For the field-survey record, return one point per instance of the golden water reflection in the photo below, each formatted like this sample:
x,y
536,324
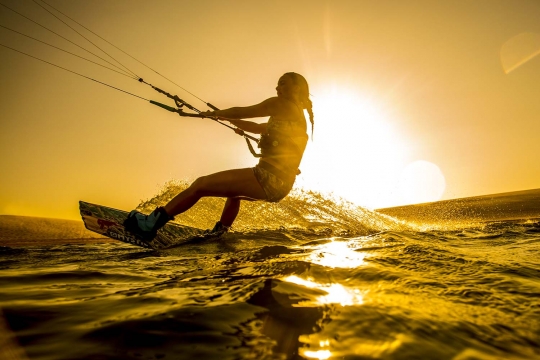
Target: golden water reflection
x,y
335,293
319,354
334,254
337,254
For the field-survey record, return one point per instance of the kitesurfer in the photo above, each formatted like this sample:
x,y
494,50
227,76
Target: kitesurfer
x,y
282,144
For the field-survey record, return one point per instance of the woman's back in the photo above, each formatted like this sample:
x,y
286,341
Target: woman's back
x,y
285,140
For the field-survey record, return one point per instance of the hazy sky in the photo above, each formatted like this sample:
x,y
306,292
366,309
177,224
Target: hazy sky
x,y
414,100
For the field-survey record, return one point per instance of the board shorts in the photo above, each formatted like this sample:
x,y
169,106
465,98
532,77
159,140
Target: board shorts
x,y
275,183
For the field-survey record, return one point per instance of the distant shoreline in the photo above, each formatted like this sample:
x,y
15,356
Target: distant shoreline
x,y
25,231
48,242
517,205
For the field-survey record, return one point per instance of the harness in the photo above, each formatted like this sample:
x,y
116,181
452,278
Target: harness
x,y
282,147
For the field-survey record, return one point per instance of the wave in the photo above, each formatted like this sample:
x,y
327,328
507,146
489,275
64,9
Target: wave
x,y
303,210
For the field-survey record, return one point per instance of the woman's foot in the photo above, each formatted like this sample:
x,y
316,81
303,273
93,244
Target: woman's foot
x,y
218,230
146,226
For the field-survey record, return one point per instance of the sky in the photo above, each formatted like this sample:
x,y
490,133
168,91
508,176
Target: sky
x,y
414,101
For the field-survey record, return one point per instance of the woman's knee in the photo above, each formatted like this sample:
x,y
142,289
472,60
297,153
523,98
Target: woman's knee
x,y
199,185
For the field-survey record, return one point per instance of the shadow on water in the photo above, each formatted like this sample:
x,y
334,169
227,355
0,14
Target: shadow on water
x,y
283,322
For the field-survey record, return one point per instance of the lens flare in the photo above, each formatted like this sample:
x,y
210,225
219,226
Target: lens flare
x,y
519,50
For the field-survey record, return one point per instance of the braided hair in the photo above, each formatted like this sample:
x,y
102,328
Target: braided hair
x,y
304,96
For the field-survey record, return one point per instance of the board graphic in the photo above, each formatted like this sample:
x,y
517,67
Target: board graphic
x,y
108,221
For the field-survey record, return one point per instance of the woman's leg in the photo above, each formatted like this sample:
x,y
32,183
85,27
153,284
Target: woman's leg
x,y
229,184
230,211
236,184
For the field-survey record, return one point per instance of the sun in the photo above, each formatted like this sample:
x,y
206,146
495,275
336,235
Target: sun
x,y
357,151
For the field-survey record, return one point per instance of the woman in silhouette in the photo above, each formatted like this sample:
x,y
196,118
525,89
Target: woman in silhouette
x,y
283,141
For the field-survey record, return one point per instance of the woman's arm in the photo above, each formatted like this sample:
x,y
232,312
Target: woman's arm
x,y
233,115
265,108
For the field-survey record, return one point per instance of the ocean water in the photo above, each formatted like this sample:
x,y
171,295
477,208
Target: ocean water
x,y
310,278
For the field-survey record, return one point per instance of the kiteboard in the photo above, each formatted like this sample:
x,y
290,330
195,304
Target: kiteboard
x,y
108,221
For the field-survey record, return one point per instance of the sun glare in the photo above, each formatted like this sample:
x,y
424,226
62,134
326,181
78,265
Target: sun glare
x,y
337,254
319,354
356,152
421,181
